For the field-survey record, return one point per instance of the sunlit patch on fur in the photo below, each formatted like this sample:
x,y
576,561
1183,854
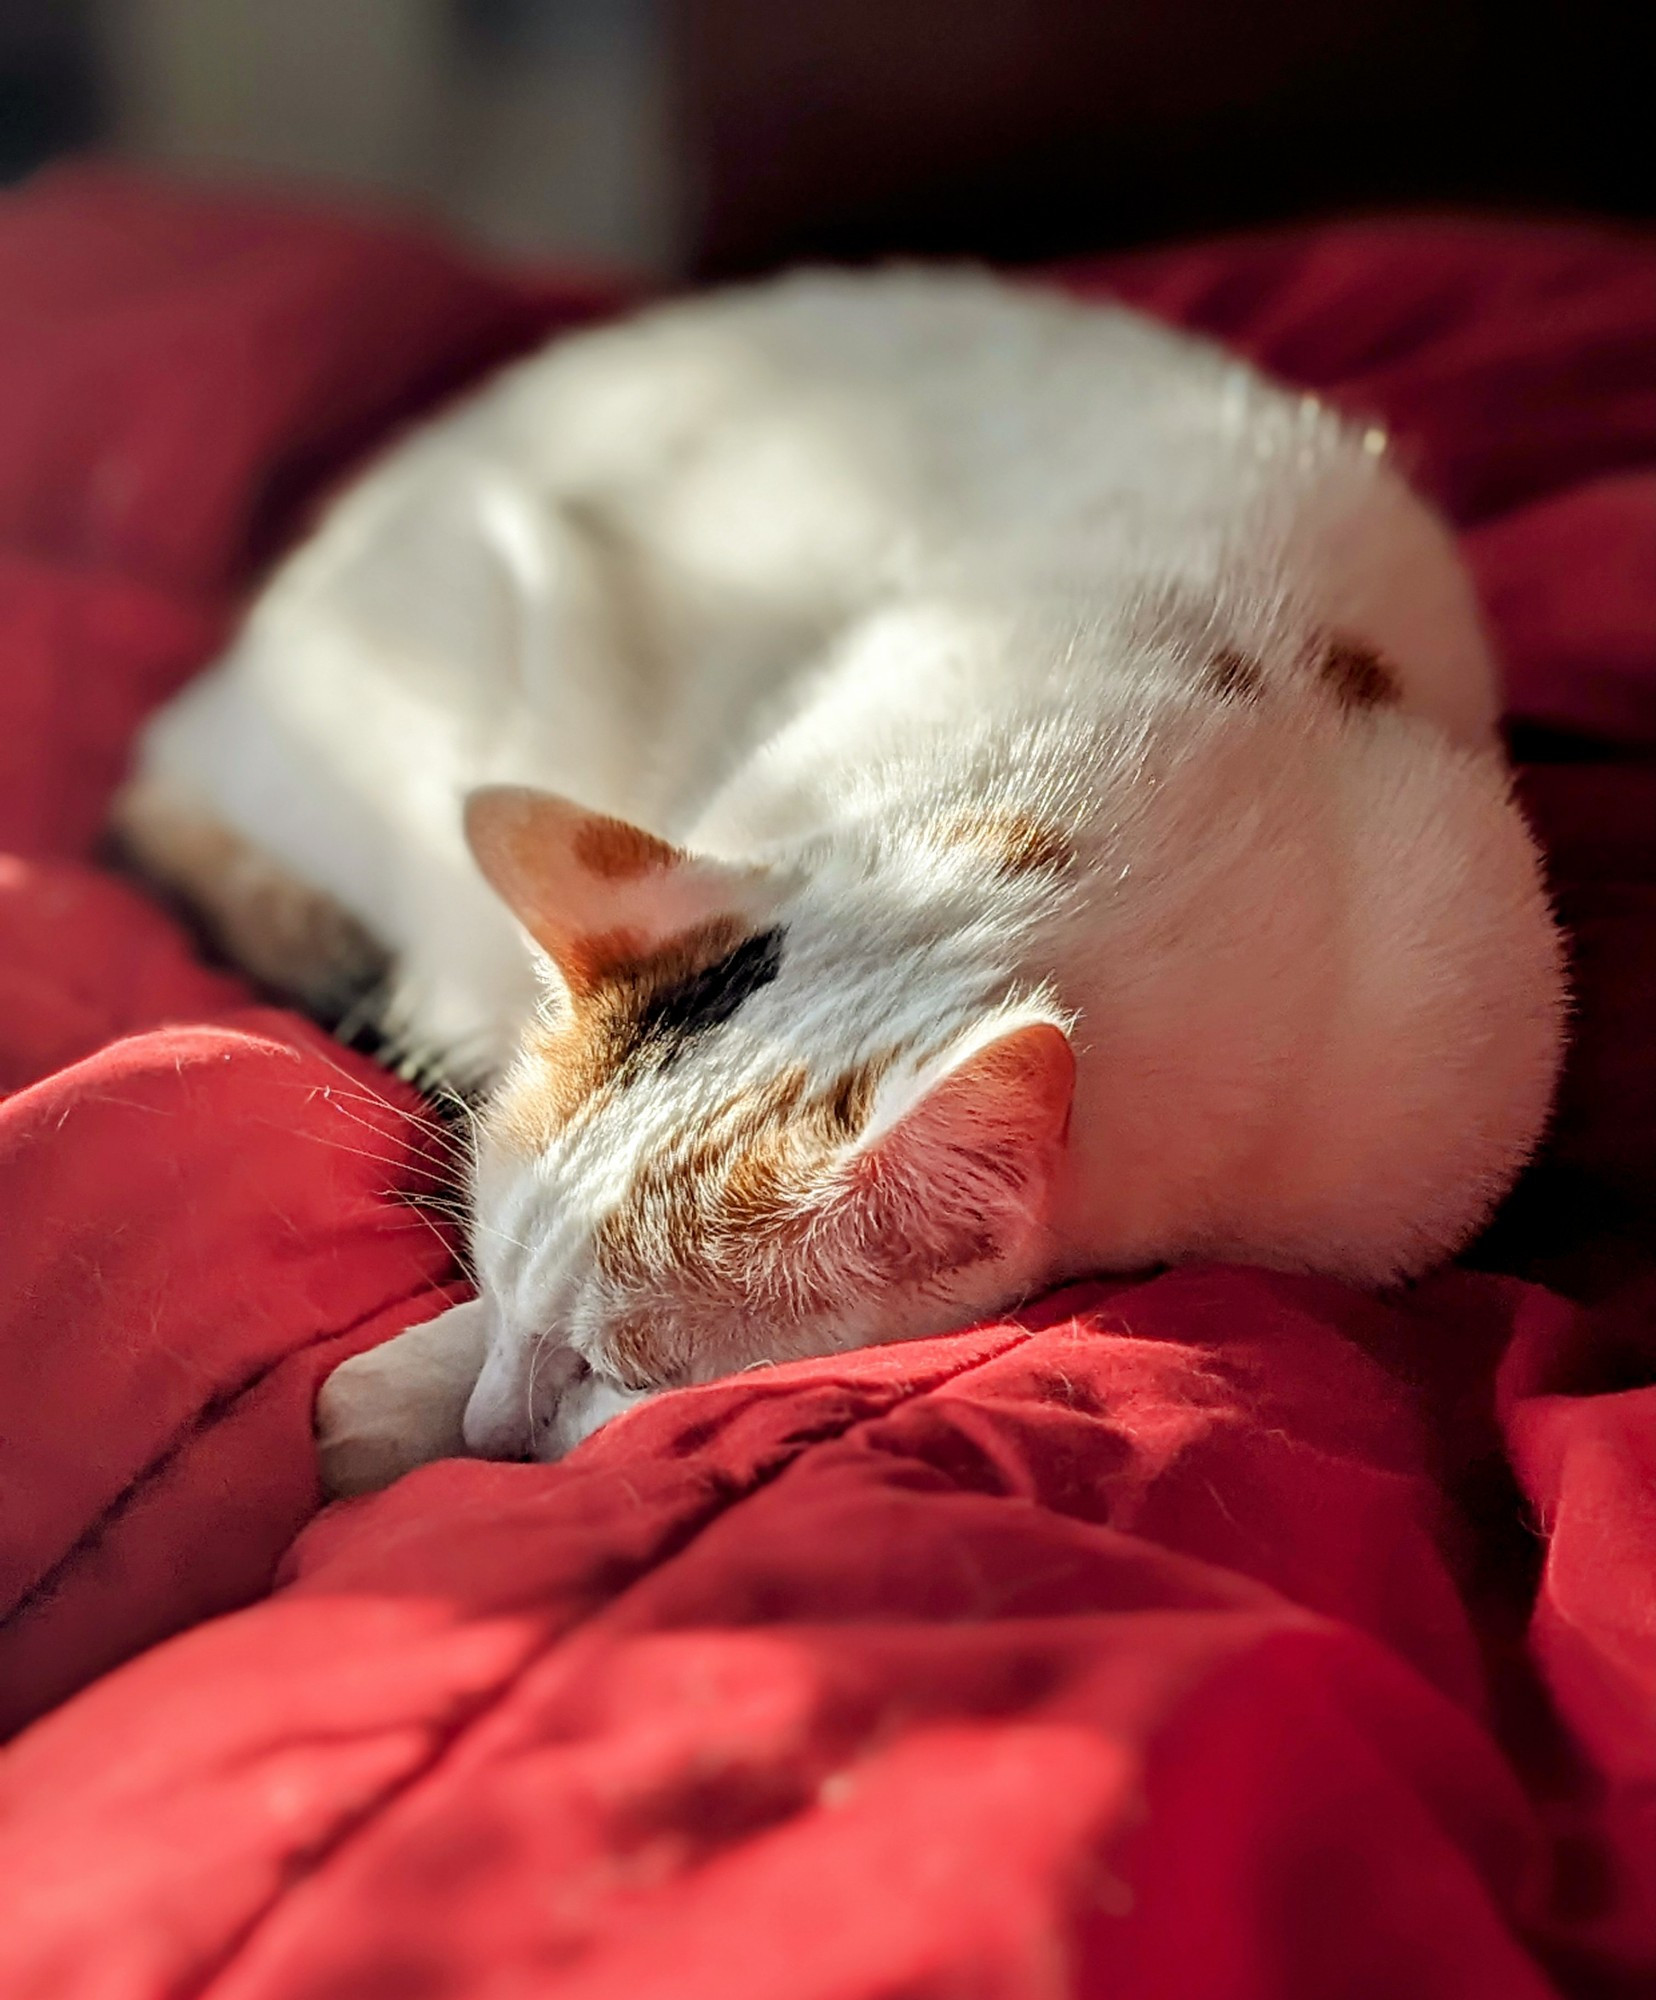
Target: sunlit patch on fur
x,y
1358,675
1017,843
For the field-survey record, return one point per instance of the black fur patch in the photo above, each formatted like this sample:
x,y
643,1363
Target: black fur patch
x,y
709,998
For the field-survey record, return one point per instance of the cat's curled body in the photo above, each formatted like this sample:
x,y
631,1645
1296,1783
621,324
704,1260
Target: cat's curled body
x,y
1063,831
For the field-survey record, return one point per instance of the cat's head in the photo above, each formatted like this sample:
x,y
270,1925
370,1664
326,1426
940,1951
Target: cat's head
x,y
739,1132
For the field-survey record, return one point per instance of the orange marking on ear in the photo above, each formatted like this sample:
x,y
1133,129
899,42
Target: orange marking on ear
x,y
587,963
618,852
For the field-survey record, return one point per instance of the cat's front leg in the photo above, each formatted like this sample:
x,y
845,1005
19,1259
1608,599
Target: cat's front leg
x,y
401,1404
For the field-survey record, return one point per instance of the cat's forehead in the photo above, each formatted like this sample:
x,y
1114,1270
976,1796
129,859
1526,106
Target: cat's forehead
x,y
658,1189
634,1016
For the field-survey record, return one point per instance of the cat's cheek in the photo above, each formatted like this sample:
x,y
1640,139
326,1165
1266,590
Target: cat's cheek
x,y
587,1407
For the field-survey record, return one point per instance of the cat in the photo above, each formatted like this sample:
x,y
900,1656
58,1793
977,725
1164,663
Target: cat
x,y
905,789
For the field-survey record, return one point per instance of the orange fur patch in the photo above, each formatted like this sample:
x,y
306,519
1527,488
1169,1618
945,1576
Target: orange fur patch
x,y
1358,675
611,986
733,1193
637,1355
782,1137
1017,842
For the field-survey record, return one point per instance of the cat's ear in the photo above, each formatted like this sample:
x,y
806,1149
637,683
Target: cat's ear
x,y
595,891
956,1164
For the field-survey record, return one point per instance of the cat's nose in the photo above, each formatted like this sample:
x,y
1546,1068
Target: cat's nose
x,y
498,1422
516,1397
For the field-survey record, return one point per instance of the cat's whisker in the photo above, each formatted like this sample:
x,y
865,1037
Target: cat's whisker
x,y
483,1228
433,1137
390,1161
451,1150
419,1157
455,1250
351,1090
357,1082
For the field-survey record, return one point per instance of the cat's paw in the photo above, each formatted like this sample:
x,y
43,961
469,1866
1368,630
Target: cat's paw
x,y
399,1405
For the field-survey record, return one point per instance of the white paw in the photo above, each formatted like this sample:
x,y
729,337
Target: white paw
x,y
400,1405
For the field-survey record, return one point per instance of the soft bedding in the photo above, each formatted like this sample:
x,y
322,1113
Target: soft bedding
x,y
1217,1634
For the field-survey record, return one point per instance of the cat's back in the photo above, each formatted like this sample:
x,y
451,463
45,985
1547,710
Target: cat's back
x,y
679,511
808,447
943,405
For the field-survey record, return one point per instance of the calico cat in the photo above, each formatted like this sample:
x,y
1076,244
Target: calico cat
x,y
905,789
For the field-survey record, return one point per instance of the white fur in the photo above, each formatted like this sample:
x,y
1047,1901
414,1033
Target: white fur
x,y
792,575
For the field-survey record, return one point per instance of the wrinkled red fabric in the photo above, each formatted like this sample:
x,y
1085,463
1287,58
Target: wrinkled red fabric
x,y
1223,1634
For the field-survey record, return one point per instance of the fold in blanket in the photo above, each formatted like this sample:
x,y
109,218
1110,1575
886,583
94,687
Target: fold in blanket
x,y
1224,1634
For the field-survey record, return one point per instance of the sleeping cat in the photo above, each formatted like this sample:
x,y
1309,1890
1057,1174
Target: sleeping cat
x,y
906,789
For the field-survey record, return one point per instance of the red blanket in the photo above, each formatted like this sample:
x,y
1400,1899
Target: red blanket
x,y
1221,1635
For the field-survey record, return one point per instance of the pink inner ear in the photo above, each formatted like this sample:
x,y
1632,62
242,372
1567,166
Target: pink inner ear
x,y
1020,1086
965,1175
1009,1099
1030,1074
520,840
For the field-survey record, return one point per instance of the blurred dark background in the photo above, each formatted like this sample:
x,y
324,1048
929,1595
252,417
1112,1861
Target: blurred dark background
x,y
722,135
